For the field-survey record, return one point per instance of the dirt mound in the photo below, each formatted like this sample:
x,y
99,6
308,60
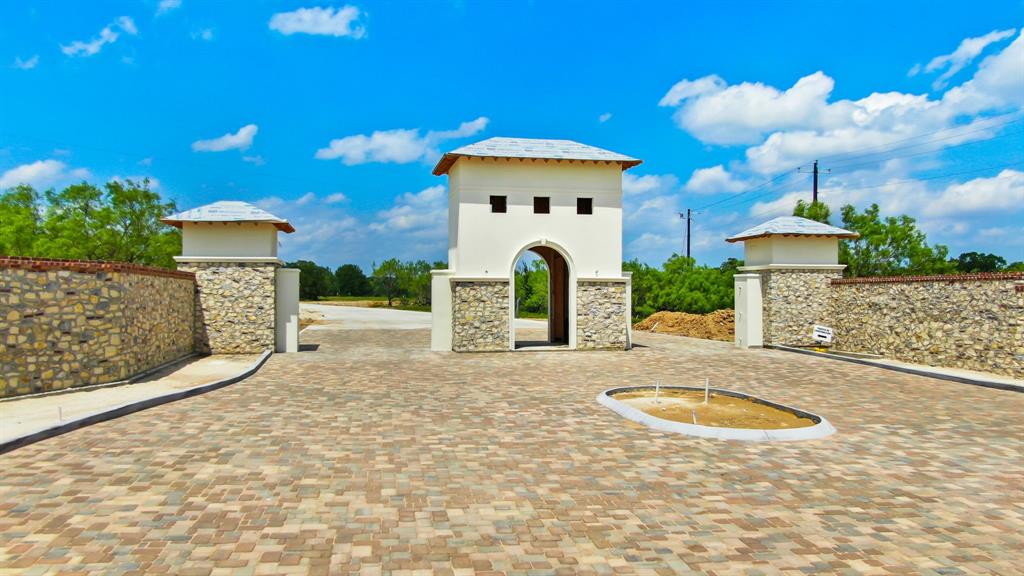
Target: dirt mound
x,y
718,325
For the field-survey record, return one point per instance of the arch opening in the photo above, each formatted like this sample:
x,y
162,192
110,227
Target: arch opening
x,y
541,280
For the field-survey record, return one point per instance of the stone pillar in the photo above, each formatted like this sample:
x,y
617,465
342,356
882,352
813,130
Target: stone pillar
x,y
602,314
794,300
480,315
783,289
234,305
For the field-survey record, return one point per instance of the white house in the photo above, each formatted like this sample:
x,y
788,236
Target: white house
x,y
558,198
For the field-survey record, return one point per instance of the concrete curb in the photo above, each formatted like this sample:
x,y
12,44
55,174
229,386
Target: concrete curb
x,y
130,408
905,369
822,429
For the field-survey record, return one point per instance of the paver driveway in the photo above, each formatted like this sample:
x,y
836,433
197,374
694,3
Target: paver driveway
x,y
372,454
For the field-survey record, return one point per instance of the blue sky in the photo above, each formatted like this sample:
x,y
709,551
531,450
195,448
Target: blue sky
x,y
332,115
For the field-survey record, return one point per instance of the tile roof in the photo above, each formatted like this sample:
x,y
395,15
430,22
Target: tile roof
x,y
535,149
227,211
791,226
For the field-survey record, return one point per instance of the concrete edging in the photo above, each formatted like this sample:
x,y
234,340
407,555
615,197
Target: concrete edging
x,y
130,408
905,369
821,429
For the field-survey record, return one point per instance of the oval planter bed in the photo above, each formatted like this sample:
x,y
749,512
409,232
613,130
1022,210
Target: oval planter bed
x,y
759,419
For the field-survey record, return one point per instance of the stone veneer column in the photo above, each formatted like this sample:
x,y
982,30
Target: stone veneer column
x,y
601,315
234,306
794,300
480,316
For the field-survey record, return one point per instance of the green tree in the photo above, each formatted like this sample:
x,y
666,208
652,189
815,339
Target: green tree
x,y
351,281
19,221
414,281
890,246
315,281
979,262
120,222
645,281
818,211
1015,267
386,279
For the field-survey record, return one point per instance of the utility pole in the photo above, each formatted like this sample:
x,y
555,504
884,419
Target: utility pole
x,y
814,196
815,171
688,218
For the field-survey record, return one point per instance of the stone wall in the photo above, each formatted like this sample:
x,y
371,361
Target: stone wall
x,y
973,321
67,323
601,315
480,316
794,300
234,306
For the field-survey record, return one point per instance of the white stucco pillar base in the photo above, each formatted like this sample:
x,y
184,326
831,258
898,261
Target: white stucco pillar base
x,y
441,310
749,318
286,310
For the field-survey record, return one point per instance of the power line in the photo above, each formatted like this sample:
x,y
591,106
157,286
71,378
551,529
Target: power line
x,y
887,147
846,156
926,152
895,182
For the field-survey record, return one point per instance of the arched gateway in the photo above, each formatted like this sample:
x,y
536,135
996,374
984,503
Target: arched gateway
x,y
559,199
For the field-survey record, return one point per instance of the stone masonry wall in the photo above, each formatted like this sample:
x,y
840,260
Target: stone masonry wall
x,y
601,315
974,321
794,301
480,316
234,306
66,323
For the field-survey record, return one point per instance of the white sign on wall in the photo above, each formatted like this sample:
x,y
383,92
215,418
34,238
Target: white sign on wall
x,y
822,334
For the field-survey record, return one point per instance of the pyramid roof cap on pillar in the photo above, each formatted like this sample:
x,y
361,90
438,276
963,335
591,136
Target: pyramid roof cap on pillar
x,y
792,226
228,211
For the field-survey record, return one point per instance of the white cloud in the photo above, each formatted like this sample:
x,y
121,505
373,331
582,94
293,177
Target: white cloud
x,y
305,199
166,6
26,64
604,117
423,214
240,140
204,34
145,162
325,235
335,198
257,160
321,21
786,128
648,183
40,174
1003,192
714,180
108,35
399,146
965,53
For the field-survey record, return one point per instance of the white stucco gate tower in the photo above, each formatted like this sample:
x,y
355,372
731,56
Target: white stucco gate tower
x,y
559,199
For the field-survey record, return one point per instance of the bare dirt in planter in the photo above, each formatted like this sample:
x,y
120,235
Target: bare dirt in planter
x,y
721,411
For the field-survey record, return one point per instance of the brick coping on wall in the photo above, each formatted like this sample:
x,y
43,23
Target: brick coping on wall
x,y
989,276
89,266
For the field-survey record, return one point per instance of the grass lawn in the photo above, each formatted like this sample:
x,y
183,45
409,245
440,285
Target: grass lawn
x,y
533,315
353,299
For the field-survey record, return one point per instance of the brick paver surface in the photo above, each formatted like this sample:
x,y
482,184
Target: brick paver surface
x,y
375,455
